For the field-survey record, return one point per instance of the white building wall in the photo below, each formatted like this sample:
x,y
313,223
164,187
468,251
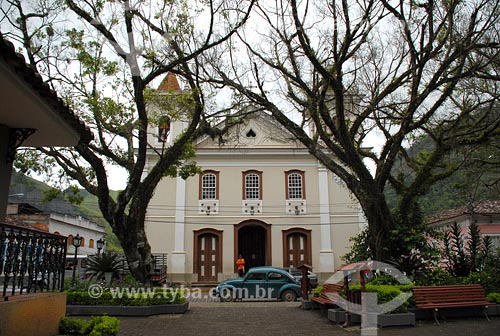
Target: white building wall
x,y
72,225
332,216
331,225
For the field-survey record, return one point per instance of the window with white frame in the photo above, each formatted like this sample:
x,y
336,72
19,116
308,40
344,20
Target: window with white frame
x,y
208,183
295,185
252,185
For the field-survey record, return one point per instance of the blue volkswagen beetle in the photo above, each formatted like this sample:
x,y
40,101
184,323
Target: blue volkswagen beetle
x,y
260,283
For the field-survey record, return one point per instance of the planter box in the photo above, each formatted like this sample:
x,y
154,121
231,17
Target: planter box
x,y
338,316
384,320
493,310
127,310
307,304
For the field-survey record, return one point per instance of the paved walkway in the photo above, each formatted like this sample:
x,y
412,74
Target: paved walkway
x,y
281,318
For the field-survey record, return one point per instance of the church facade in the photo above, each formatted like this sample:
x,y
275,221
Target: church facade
x,y
260,194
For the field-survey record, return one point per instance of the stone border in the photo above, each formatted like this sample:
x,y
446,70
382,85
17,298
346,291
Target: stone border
x,y
127,310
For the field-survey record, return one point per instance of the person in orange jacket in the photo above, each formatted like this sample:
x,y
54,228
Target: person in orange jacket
x,y
241,265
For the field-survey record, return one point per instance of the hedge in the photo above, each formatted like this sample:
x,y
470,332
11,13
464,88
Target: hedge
x,y
386,293
98,326
140,299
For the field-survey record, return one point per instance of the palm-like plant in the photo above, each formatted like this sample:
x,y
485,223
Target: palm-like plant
x,y
103,263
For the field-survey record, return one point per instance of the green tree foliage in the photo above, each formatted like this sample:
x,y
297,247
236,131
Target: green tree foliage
x,y
360,248
475,179
104,65
412,244
334,76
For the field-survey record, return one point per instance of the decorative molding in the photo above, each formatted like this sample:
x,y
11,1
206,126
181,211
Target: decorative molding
x,y
296,207
208,207
251,207
16,139
338,180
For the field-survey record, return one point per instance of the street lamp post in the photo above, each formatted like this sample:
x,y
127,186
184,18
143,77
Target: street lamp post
x,y
100,245
76,243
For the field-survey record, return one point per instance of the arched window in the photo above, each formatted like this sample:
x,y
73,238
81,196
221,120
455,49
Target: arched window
x,y
295,186
91,243
163,129
209,185
70,240
252,185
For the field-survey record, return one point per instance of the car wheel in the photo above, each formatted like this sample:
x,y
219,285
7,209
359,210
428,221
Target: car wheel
x,y
227,295
288,295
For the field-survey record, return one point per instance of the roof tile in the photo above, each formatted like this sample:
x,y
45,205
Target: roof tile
x,y
169,83
35,81
484,207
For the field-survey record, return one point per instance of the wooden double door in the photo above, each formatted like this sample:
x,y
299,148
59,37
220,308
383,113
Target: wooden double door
x,y
208,256
297,249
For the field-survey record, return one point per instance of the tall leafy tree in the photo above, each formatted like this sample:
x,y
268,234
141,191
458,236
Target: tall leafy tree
x,y
103,57
336,73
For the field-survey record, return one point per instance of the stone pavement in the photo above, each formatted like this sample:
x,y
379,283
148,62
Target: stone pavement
x,y
281,318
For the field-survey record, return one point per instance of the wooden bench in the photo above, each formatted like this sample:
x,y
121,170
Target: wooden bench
x,y
453,296
328,295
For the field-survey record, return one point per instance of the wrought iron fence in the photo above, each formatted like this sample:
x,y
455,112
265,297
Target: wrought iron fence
x,y
30,261
159,274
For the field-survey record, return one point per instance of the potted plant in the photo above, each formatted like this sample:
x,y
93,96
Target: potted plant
x,y
104,265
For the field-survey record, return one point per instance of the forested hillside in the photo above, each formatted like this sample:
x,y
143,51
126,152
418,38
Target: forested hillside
x,y
28,190
477,178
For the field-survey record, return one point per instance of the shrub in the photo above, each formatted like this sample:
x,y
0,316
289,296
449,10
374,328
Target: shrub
x,y
386,293
488,277
77,285
97,326
317,291
103,326
465,258
138,299
493,297
69,326
103,263
384,279
435,277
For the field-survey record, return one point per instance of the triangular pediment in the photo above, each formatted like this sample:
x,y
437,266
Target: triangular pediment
x,y
255,130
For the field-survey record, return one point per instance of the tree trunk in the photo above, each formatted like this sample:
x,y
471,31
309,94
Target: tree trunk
x,y
139,260
135,245
380,223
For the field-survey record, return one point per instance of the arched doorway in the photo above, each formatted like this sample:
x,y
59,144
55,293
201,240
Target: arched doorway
x,y
207,254
253,241
296,247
